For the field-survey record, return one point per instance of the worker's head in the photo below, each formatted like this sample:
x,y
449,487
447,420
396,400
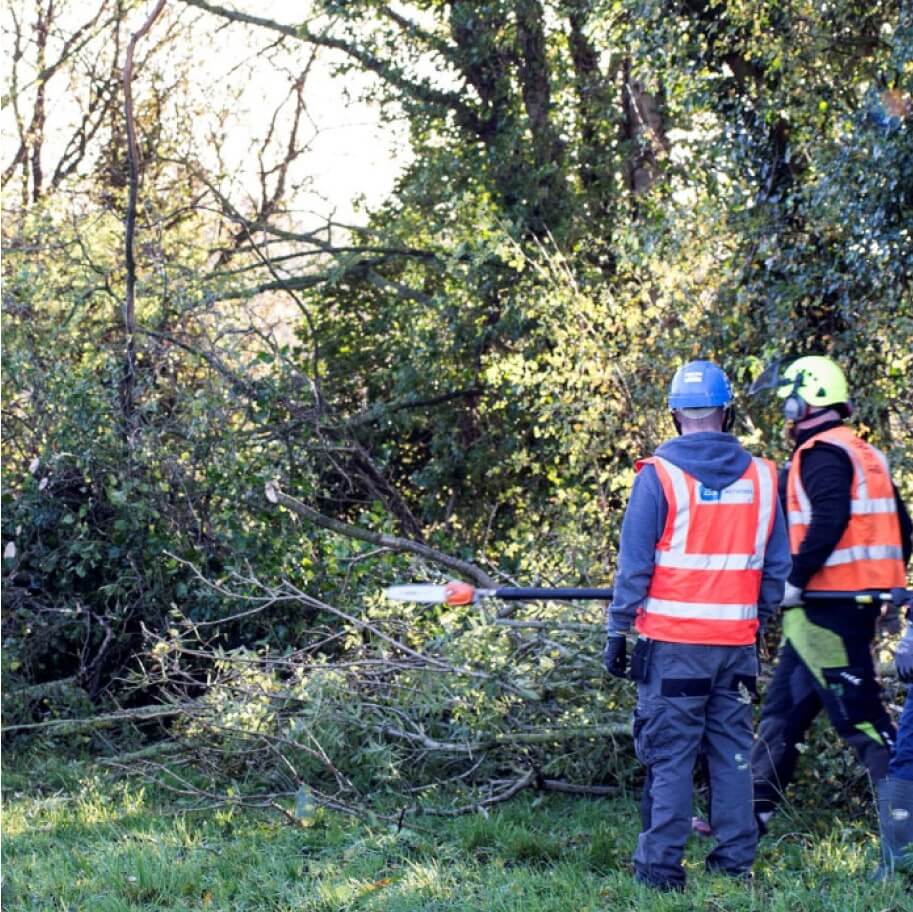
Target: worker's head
x,y
813,385
700,398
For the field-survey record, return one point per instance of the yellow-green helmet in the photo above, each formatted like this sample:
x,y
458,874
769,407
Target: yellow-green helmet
x,y
814,380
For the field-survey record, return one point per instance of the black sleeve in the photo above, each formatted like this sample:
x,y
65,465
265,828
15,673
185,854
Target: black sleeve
x,y
827,476
906,527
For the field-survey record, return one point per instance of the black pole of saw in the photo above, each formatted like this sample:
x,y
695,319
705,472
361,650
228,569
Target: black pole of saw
x,y
866,597
510,593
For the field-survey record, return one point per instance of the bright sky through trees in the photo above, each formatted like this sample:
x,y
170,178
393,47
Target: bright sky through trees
x,y
351,155
226,79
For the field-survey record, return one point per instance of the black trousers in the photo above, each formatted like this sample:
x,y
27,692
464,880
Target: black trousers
x,y
825,662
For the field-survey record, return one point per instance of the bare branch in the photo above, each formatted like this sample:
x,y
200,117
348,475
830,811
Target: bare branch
x,y
107,720
129,378
421,91
238,383
36,129
382,409
275,495
513,788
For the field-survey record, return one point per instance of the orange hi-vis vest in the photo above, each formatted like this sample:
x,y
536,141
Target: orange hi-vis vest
x,y
869,554
709,559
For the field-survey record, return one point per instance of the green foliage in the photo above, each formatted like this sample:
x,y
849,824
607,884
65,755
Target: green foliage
x,y
102,523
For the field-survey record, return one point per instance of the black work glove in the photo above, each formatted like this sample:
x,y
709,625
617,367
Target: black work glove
x,y
889,622
903,656
614,656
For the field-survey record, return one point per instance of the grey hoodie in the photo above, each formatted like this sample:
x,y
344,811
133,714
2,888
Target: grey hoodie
x,y
716,460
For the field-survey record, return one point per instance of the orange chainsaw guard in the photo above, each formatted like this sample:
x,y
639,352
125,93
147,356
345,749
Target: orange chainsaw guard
x,y
456,593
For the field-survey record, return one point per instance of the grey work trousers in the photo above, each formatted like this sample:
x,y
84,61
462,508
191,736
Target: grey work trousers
x,y
691,699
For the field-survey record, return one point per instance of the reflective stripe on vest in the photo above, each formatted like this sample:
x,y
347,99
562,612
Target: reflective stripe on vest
x,y
704,611
709,559
869,554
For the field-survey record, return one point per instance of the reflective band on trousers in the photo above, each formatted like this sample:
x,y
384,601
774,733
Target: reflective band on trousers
x,y
869,554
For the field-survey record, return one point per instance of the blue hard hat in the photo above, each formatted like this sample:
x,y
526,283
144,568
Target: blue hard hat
x,y
699,384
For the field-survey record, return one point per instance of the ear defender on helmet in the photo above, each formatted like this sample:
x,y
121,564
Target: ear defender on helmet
x,y
795,408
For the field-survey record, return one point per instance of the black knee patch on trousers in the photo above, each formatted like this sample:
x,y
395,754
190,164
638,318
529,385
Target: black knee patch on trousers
x,y
686,687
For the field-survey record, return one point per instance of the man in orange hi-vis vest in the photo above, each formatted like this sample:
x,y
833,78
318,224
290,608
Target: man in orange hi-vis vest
x,y
702,562
849,531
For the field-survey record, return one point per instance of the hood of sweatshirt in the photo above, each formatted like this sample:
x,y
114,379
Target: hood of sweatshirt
x,y
715,459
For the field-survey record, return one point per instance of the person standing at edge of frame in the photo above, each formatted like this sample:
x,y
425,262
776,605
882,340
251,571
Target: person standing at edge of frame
x,y
702,562
848,531
895,792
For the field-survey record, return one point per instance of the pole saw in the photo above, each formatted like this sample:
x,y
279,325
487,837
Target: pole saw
x,y
458,593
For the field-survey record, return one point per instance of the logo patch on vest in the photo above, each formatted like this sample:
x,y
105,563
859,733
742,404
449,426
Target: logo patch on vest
x,y
742,492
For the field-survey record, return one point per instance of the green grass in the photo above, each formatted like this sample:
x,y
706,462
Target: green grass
x,y
74,839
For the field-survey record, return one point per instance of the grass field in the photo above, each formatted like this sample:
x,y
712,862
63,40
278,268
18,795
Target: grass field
x,y
75,839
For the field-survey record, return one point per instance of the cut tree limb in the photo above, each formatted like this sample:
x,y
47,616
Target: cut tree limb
x,y
274,494
106,720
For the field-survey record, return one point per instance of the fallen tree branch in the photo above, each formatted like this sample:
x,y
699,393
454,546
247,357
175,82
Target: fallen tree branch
x,y
512,738
167,778
274,494
153,751
35,692
371,628
92,723
571,788
515,787
571,626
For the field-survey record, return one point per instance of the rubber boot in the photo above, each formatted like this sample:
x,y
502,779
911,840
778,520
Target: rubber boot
x,y
895,819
